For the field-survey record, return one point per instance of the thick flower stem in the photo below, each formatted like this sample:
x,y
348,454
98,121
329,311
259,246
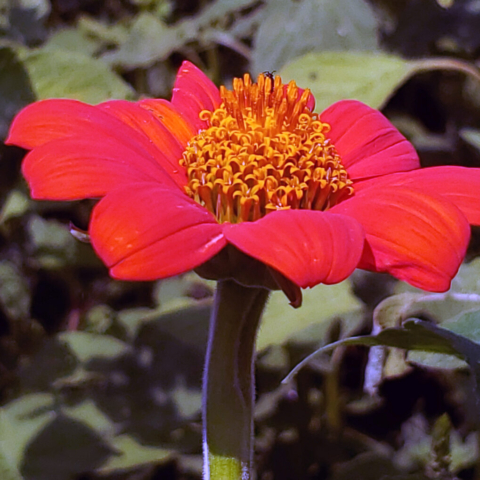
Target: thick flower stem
x,y
228,384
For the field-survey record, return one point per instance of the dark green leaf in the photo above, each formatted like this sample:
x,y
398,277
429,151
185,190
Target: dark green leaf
x,y
414,335
63,449
15,87
293,28
150,40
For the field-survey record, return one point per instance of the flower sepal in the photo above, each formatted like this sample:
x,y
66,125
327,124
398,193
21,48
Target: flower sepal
x,y
232,264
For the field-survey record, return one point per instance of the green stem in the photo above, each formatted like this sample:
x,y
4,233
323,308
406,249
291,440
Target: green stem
x,y
228,384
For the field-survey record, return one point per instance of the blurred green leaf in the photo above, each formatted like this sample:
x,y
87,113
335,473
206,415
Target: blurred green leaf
x,y
15,87
26,20
424,336
414,335
56,73
15,205
88,413
369,77
471,136
467,279
291,28
72,40
54,245
20,420
87,346
467,325
130,454
15,295
52,361
8,471
321,305
416,447
366,466
150,40
111,34
440,307
219,9
64,449
188,323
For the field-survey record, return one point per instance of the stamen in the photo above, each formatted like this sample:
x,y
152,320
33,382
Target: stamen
x,y
263,151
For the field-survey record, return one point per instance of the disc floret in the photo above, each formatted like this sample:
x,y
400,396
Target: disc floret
x,y
263,150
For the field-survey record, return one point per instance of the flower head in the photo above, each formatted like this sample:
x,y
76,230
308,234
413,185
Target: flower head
x,y
250,183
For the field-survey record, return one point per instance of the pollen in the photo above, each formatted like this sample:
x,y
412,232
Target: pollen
x,y
263,150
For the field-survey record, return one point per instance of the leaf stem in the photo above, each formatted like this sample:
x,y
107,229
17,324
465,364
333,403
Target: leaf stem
x,y
228,384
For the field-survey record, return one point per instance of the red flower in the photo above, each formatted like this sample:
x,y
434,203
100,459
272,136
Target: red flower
x,y
312,198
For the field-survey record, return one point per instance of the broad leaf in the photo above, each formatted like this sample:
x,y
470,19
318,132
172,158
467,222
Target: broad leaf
x,y
150,40
130,454
64,448
369,77
291,28
56,73
89,346
20,420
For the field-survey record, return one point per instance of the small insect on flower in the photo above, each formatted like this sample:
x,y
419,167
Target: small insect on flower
x,y
271,76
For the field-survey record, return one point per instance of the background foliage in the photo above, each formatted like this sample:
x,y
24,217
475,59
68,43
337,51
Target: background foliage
x,y
100,379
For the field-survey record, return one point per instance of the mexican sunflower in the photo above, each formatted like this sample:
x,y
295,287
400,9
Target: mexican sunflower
x,y
253,171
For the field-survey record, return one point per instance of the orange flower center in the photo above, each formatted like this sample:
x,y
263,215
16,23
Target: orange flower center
x,y
263,150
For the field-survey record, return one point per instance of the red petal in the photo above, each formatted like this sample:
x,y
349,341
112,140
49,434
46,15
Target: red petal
x,y
168,148
146,232
147,124
417,237
193,92
367,142
460,185
47,120
169,116
307,247
73,168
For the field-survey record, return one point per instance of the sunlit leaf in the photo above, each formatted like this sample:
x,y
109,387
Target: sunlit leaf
x,y
87,346
20,420
369,77
57,73
88,413
320,306
8,471
130,454
16,204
